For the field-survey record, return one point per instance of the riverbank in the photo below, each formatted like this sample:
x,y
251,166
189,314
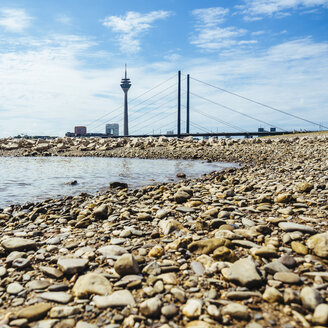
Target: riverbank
x,y
242,247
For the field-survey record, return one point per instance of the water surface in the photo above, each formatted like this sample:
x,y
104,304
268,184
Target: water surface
x,y
25,179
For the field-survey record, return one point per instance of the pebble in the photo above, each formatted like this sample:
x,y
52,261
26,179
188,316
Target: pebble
x,y
118,298
72,265
310,298
193,308
18,244
236,311
57,297
287,277
34,312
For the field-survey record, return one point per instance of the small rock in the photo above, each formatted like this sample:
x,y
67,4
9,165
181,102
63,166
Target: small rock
x,y
193,308
272,295
14,288
287,277
126,264
207,246
118,298
310,298
320,315
72,265
34,312
319,244
18,244
151,307
58,297
236,311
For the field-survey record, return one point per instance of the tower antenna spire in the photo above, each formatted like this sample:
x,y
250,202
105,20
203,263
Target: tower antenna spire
x,y
125,85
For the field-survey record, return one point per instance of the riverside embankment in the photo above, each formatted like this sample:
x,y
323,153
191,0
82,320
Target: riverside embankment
x,y
241,247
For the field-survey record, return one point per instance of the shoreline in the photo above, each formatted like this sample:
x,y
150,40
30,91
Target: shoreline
x,y
235,248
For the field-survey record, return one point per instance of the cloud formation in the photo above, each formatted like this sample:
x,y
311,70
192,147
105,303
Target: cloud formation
x,y
14,20
257,9
210,36
130,27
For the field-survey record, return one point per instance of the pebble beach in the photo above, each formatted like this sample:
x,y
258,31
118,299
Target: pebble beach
x,y
243,247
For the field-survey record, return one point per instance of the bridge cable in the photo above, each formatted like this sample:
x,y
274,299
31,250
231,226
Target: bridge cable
x,y
259,103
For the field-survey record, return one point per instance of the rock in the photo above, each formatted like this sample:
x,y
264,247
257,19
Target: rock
x,y
182,195
193,308
272,295
299,248
38,284
170,311
156,251
291,226
151,308
310,298
126,264
197,267
18,244
287,277
244,272
63,311
118,185
199,324
169,278
14,288
34,312
170,225
224,253
214,312
21,263
320,315
84,324
118,298
304,187
91,283
283,198
101,212
235,311
58,297
72,265
319,244
112,251
207,246
275,266
51,272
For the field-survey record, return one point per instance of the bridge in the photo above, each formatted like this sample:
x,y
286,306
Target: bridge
x,y
161,107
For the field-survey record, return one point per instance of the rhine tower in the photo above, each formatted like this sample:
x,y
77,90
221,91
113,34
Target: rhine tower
x,y
125,85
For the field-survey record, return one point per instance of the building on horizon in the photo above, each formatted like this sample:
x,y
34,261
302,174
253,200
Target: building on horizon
x,y
112,130
80,131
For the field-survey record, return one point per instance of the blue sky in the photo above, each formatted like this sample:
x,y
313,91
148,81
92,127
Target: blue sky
x,y
61,63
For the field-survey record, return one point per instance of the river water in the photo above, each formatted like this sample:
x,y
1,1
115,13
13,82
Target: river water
x,y
30,179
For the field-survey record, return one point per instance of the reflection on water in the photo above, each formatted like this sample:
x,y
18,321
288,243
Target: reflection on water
x,y
30,179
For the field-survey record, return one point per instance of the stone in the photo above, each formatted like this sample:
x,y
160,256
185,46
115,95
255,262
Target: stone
x,y
299,248
272,295
170,311
199,324
182,196
156,251
310,298
126,264
283,198
34,312
101,212
265,252
38,284
244,272
319,244
14,288
72,265
58,297
207,246
224,253
21,263
193,308
84,324
170,225
235,311
112,251
214,312
197,267
63,311
169,278
118,298
304,187
51,272
291,226
151,307
275,266
91,283
18,244
287,277
320,315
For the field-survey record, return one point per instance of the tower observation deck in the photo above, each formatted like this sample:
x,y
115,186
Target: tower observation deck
x,y
125,85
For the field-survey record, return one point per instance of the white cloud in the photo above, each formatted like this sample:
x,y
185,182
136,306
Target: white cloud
x,y
14,20
256,9
210,16
64,19
130,27
210,36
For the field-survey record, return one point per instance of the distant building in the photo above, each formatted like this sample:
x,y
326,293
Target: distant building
x,y
80,130
273,130
112,129
169,133
260,130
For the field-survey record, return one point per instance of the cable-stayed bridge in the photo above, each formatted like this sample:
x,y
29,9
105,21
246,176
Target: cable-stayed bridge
x,y
173,108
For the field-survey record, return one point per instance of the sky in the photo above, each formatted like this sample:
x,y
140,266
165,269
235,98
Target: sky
x,y
61,63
